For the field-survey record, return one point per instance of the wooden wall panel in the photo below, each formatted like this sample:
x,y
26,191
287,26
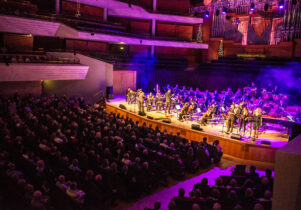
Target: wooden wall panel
x,y
298,48
234,148
140,27
48,43
166,29
147,4
178,6
174,30
183,31
18,42
76,45
70,8
282,50
79,45
98,46
141,50
122,80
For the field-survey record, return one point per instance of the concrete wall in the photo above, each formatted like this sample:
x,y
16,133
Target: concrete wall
x,y
287,183
37,72
100,75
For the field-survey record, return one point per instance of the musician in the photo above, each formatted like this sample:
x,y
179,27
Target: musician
x,y
243,119
239,109
131,97
257,122
215,109
127,94
140,100
174,101
231,119
184,111
216,97
158,101
149,101
206,116
207,98
193,106
168,96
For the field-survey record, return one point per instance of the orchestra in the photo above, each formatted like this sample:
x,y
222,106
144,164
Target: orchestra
x,y
233,108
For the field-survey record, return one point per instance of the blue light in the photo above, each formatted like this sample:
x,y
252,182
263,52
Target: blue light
x,y
252,6
207,14
281,5
224,10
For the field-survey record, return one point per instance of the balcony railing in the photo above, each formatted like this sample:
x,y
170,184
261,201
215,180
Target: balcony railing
x,y
35,57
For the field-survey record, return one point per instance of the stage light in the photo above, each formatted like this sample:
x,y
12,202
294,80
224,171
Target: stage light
x,y
122,48
207,14
217,12
281,5
252,6
224,10
237,21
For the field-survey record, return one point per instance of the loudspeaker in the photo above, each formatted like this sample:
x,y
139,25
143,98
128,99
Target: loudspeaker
x,y
141,113
121,106
296,130
166,120
196,127
109,92
149,117
236,136
266,142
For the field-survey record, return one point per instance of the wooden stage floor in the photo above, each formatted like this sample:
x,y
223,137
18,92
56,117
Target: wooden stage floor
x,y
245,149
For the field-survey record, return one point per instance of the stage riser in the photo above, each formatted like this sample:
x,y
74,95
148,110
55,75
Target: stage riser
x,y
234,148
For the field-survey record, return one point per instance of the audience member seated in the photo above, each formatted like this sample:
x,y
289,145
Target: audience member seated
x,y
56,145
229,192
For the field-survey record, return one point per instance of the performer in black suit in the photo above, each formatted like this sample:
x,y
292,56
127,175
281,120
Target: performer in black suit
x,y
244,119
140,100
231,119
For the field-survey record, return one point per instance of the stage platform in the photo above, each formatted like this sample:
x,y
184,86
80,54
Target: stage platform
x,y
243,149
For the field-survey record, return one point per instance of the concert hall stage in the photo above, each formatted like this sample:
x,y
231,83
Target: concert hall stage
x,y
244,149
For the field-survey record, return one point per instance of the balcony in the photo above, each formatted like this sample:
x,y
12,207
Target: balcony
x,y
50,26
36,67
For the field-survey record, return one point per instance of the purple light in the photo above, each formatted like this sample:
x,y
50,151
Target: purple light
x,y
224,11
252,6
237,21
207,14
281,6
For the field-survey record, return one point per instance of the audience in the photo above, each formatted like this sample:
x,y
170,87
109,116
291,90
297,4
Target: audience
x,y
229,192
56,145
